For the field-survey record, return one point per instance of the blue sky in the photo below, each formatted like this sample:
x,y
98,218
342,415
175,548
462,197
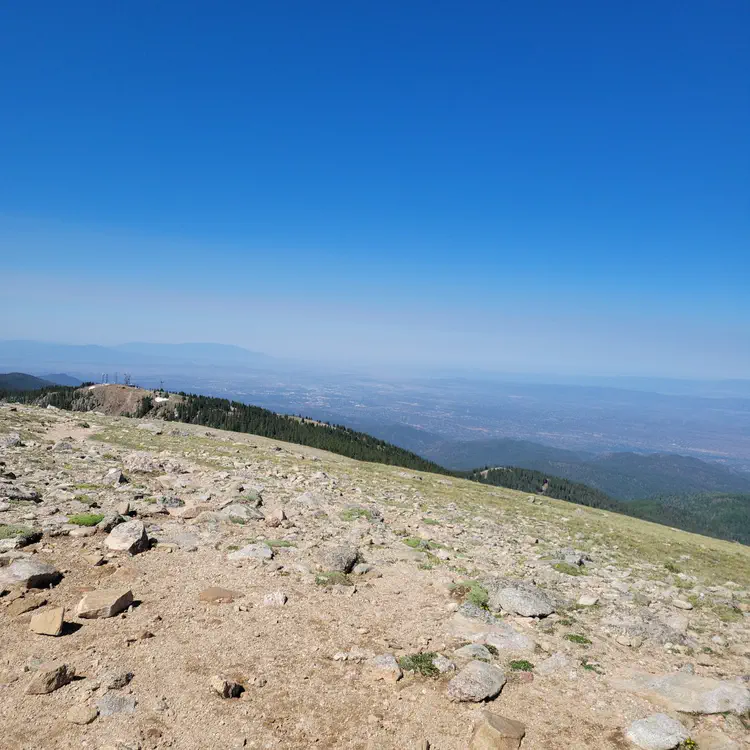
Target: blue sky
x,y
547,186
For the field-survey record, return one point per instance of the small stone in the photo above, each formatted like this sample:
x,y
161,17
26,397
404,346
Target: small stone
x,y
275,599
25,604
114,478
681,604
94,560
587,600
495,732
49,677
472,651
104,603
275,518
116,680
82,532
385,667
443,664
361,568
226,687
217,595
123,508
116,703
128,537
48,622
81,714
477,681
519,598
656,732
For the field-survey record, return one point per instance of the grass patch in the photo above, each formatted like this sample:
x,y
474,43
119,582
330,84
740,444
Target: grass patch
x,y
492,649
334,578
354,513
568,569
521,665
279,543
728,613
10,532
421,663
581,640
680,584
591,667
671,567
87,486
86,519
109,456
431,521
472,592
232,547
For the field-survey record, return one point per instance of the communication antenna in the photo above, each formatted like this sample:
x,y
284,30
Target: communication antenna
x,y
161,385
126,378
117,378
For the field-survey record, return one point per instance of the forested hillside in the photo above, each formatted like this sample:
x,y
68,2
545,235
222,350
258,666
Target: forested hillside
x,y
20,381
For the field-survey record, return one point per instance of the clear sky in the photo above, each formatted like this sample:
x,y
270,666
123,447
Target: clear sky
x,y
549,186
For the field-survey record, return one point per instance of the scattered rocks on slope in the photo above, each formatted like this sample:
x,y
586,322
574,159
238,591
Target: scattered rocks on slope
x,y
114,478
656,732
50,677
48,622
128,537
12,440
104,603
519,598
477,681
495,732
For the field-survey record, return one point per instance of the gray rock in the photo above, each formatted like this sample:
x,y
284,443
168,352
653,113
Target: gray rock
x,y
114,478
140,462
443,664
555,663
116,703
471,652
226,687
109,522
519,598
128,537
337,559
477,681
385,667
19,492
361,568
656,732
241,513
275,599
12,440
689,693
50,677
116,680
29,574
254,551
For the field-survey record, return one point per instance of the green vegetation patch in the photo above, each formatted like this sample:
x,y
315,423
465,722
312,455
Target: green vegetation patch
x,y
581,640
355,512
472,592
86,519
521,665
279,543
8,531
87,486
568,569
431,521
591,666
421,663
334,578
671,567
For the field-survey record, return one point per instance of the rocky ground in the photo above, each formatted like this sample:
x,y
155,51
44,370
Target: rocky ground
x,y
168,586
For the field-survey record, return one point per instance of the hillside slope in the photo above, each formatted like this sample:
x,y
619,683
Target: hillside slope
x,y
308,643
20,381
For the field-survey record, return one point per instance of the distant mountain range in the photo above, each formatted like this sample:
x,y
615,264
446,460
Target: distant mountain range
x,y
20,381
623,475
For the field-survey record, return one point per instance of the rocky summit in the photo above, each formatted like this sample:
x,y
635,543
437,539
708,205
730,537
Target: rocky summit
x,y
163,585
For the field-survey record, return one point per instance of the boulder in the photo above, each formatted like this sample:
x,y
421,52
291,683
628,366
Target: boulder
x,y
253,551
656,732
495,732
29,574
472,651
49,677
81,714
116,703
275,599
240,513
128,537
11,440
114,478
226,687
337,559
689,693
477,681
519,598
104,603
48,622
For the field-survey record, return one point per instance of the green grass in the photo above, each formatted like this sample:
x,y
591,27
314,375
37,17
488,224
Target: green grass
x,y
421,663
521,665
581,640
492,649
334,578
671,567
86,519
471,591
279,543
590,667
354,513
9,532
727,613
431,521
568,569
87,486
